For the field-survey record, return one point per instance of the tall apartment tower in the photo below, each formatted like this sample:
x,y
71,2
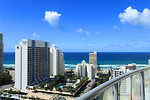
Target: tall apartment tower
x,y
1,52
56,61
85,70
31,63
81,69
93,59
90,71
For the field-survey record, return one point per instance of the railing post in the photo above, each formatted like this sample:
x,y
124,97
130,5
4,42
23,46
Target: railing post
x,y
142,85
115,88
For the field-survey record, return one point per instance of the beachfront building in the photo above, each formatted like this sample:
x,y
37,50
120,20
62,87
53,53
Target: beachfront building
x,y
56,61
81,69
90,71
131,66
85,70
123,69
93,60
1,52
31,63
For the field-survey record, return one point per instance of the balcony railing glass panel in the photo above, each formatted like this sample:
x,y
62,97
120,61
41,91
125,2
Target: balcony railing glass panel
x,y
108,94
124,91
147,84
134,85
136,91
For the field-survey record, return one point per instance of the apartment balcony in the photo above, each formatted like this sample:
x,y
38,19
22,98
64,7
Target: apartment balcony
x,y
134,85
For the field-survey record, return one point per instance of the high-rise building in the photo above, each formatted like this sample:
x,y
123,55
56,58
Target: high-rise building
x,y
90,71
31,63
1,52
56,61
93,60
81,69
60,63
85,70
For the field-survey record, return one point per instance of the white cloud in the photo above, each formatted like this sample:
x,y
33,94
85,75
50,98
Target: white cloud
x,y
35,35
81,30
135,17
52,17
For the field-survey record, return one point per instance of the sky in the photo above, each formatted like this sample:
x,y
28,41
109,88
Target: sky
x,y
78,25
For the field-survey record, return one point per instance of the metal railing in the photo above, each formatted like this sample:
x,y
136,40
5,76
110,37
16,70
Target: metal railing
x,y
134,85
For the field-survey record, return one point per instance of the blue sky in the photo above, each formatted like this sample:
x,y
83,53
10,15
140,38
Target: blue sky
x,y
78,25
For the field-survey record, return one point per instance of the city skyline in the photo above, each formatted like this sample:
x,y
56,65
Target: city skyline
x,y
104,26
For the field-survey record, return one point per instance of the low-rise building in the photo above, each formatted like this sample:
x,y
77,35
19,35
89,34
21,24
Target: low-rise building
x,y
116,72
131,66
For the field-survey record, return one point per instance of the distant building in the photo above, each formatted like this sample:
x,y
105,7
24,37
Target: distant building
x,y
81,69
31,63
61,68
12,74
90,71
56,61
85,70
149,62
123,69
131,66
93,60
1,52
117,72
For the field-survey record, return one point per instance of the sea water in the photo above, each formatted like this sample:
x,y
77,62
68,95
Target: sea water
x,y
106,60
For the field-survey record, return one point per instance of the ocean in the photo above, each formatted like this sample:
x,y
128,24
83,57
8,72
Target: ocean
x,y
106,60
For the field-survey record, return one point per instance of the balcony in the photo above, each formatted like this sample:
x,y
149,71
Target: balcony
x,y
134,85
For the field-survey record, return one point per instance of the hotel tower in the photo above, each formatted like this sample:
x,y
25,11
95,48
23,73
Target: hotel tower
x,y
93,59
85,70
31,63
56,61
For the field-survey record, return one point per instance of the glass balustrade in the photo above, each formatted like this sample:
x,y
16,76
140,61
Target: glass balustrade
x,y
134,85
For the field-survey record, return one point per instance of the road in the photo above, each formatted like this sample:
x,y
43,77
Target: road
x,y
5,86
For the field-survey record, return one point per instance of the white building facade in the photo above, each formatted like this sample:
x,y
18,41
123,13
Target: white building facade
x,y
90,71
56,61
31,63
85,70
81,69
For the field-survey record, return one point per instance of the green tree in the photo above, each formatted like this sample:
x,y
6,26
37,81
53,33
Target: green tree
x,y
5,78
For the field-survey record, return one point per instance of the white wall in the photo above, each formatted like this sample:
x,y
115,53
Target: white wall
x,y
18,67
24,66
56,61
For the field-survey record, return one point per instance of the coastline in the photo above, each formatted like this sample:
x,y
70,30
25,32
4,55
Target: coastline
x,y
73,66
